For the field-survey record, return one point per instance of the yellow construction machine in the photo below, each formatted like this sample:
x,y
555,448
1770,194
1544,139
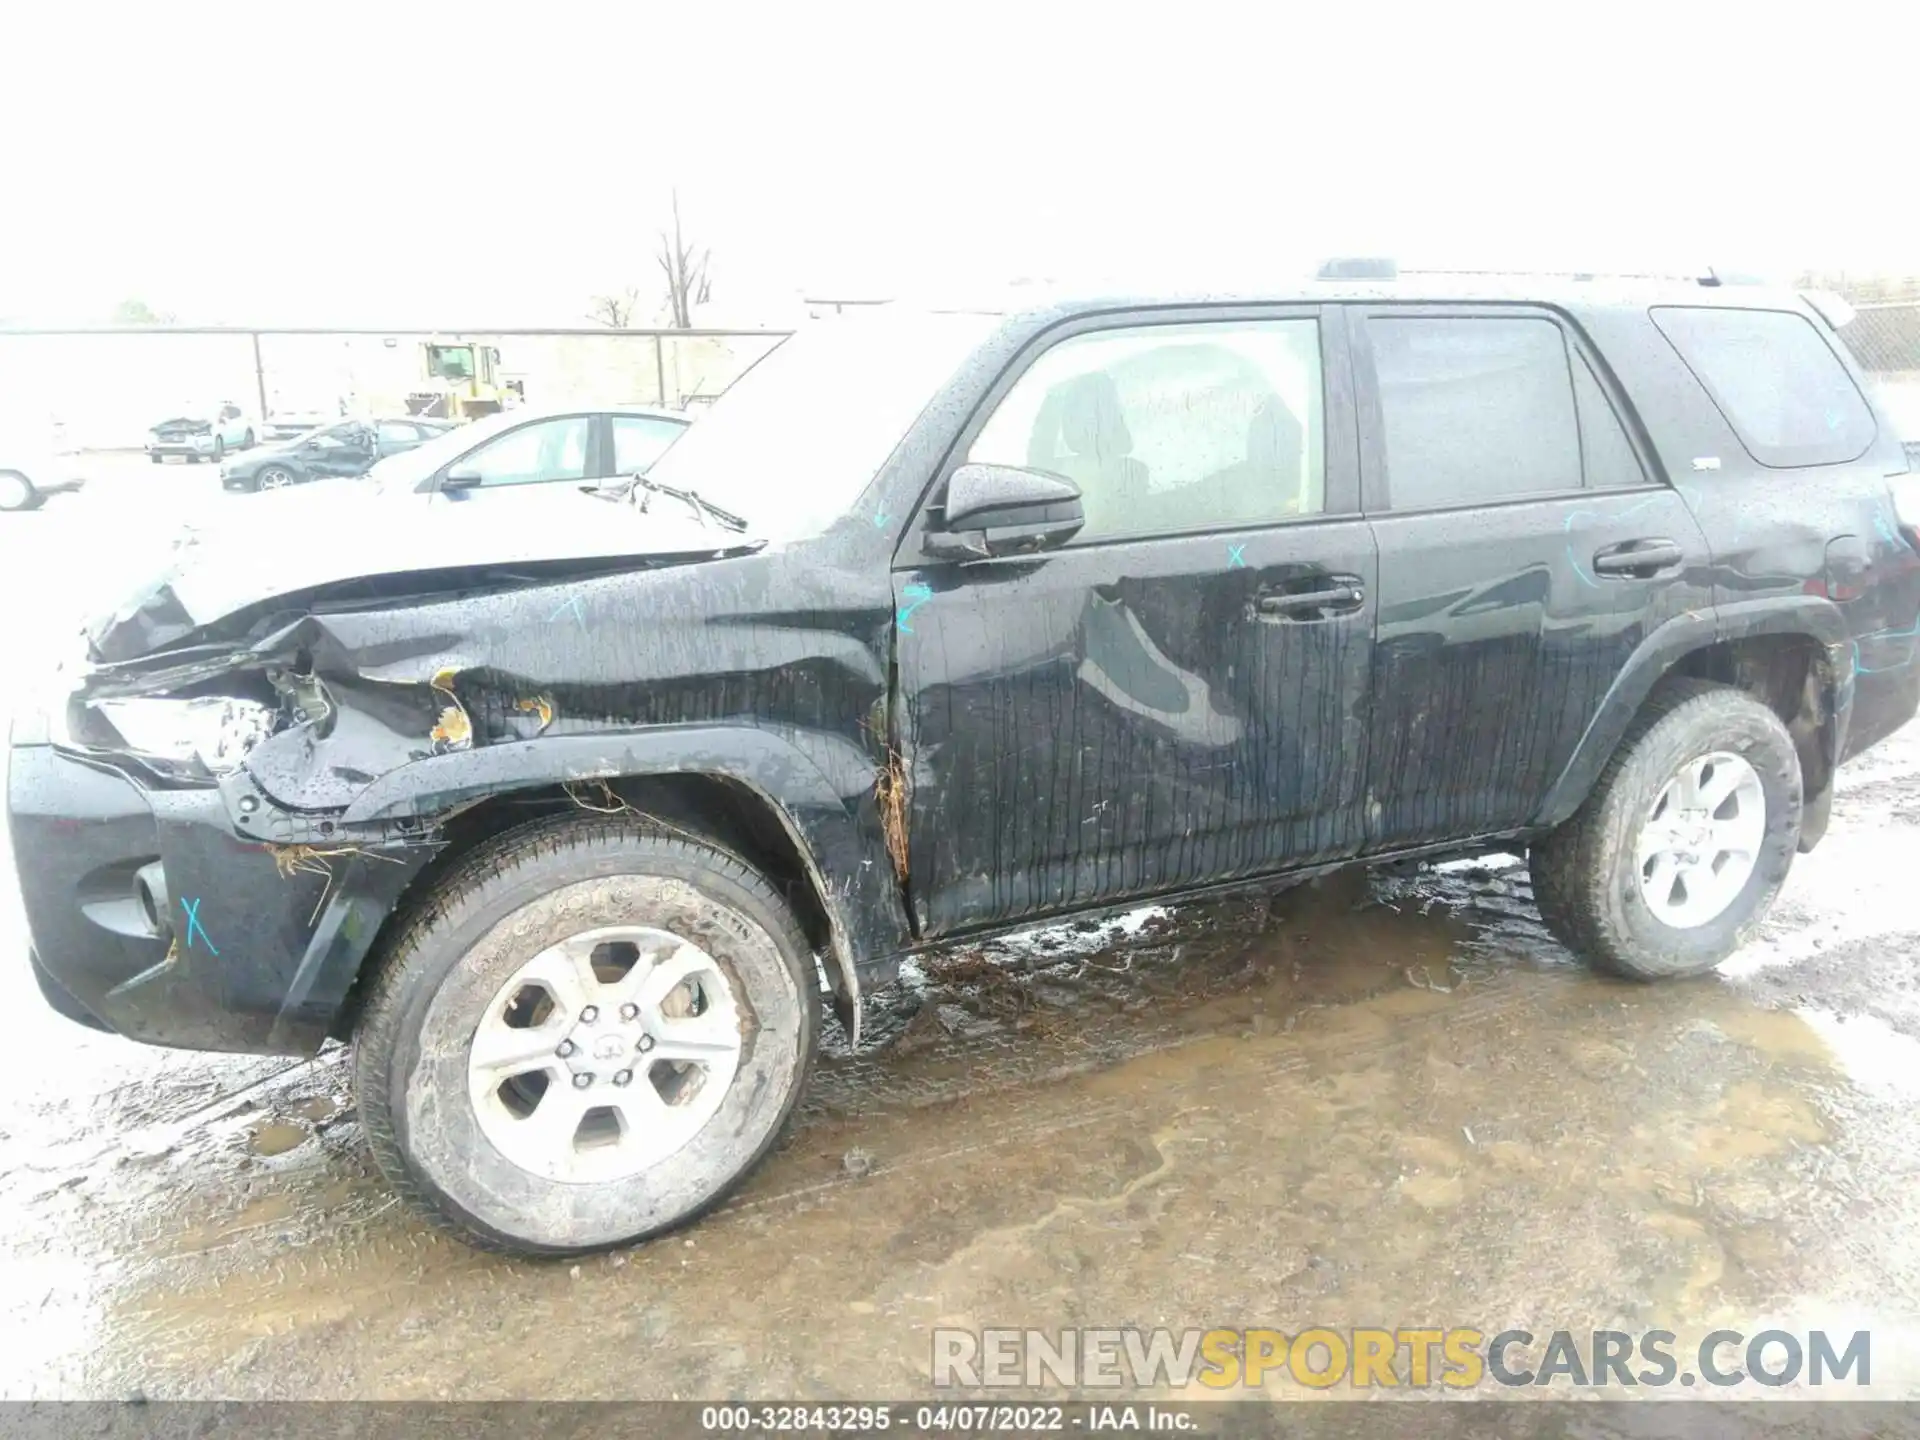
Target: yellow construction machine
x,y
461,381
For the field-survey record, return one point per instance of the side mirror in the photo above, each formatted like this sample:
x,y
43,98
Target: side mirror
x,y
457,480
1004,510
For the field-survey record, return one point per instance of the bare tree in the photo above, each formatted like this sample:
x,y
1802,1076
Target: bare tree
x,y
686,275
614,311
138,312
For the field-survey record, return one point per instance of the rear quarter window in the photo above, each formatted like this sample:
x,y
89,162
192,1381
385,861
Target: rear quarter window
x,y
1776,380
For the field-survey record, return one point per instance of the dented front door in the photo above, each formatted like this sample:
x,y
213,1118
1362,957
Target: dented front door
x,y
1179,695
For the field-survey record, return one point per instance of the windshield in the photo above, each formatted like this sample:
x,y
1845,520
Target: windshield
x,y
450,362
794,441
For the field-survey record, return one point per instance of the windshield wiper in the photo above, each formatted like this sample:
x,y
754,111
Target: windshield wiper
x,y
701,506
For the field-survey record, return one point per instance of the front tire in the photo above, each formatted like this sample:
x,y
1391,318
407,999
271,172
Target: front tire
x,y
1674,859
587,1034
219,449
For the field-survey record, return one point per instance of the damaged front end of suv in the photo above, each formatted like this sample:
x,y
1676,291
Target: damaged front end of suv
x,y
234,782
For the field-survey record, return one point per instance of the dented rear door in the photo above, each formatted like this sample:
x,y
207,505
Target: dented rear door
x,y
1178,695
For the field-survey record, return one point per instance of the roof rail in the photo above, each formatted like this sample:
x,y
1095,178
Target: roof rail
x,y
1690,276
1366,268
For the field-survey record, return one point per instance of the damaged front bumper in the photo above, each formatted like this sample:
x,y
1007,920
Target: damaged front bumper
x,y
155,917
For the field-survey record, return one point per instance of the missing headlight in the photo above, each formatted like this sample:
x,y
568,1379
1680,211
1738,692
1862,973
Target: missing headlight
x,y
210,732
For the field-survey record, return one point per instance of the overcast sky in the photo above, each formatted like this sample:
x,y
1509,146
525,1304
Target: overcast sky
x,y
478,164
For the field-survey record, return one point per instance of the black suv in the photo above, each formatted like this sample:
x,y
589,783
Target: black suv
x,y
947,622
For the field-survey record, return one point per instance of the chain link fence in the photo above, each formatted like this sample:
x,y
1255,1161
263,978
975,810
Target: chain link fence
x,y
1884,337
105,387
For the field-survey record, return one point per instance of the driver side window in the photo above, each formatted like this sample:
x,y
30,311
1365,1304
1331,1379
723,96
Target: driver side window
x,y
1169,428
533,454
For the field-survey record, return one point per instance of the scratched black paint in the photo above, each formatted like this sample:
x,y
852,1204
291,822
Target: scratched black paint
x,y
1076,729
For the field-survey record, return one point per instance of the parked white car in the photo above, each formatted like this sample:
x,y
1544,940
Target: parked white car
x,y
35,462
202,432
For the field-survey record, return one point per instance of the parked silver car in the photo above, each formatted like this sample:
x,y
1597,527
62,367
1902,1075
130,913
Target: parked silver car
x,y
201,432
513,458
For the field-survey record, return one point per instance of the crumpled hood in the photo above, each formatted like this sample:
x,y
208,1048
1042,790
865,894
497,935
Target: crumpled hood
x,y
287,550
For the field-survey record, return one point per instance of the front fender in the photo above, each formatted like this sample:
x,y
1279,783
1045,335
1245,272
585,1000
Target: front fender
x,y
1813,616
820,788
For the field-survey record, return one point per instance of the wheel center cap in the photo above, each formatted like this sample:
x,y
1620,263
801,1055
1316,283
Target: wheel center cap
x,y
602,1050
610,1047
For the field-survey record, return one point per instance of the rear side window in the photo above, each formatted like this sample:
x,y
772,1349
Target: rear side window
x,y
639,440
1777,382
1476,409
1608,454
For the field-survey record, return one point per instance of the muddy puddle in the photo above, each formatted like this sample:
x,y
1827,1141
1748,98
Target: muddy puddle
x,y
1382,1100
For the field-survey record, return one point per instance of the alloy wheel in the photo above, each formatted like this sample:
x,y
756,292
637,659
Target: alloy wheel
x,y
604,1054
1701,839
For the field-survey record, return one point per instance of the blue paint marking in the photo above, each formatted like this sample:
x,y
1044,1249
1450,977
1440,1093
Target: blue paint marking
x,y
1833,419
573,604
1634,509
917,593
1234,558
1910,633
1573,515
192,907
1888,527
880,520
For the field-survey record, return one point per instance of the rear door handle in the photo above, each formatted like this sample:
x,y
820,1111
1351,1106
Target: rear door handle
x,y
1641,559
1340,599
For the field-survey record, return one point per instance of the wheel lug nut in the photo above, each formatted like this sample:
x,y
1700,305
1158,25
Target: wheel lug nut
x,y
563,1049
628,1012
590,1014
621,1077
646,1043
580,1082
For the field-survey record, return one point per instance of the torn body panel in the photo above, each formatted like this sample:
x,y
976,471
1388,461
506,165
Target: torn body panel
x,y
391,718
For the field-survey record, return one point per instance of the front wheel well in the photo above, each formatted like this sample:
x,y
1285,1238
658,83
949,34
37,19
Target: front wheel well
x,y
717,809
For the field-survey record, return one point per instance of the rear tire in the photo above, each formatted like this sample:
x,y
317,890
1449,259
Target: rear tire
x,y
493,956
1598,878
274,477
